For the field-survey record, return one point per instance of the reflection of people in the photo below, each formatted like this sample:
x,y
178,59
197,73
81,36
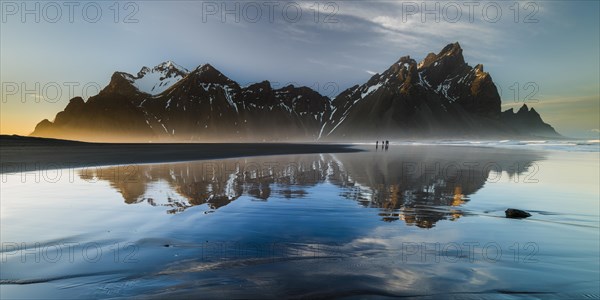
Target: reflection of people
x,y
376,144
387,144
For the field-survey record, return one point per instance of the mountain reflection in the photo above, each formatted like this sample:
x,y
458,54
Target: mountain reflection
x,y
419,185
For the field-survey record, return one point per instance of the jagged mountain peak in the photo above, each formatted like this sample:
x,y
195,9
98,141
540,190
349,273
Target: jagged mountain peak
x,y
439,96
206,73
452,52
164,67
157,79
405,59
449,58
206,68
523,109
403,65
528,111
143,71
452,49
528,120
121,83
169,64
264,85
405,62
428,60
76,101
480,73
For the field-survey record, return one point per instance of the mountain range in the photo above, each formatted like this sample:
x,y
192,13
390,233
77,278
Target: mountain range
x,y
439,97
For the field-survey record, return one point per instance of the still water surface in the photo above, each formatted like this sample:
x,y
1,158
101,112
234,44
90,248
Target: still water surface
x,y
416,220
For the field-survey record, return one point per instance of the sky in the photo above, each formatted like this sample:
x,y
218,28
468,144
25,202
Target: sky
x,y
545,54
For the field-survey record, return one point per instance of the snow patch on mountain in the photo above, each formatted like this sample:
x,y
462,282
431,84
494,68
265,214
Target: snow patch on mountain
x,y
370,90
158,79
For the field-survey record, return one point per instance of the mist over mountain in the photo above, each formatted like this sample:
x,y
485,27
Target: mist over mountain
x,y
439,97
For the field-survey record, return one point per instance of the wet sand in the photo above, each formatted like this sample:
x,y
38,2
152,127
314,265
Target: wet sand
x,y
19,154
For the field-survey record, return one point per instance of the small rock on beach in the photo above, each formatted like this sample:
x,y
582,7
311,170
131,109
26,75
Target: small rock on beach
x,y
516,213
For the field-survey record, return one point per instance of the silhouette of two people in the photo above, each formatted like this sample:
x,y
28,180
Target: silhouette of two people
x,y
384,145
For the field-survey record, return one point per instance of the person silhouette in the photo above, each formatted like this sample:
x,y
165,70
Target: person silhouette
x,y
376,145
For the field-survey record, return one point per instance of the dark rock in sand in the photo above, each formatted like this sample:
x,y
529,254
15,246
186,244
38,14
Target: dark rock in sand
x,y
516,213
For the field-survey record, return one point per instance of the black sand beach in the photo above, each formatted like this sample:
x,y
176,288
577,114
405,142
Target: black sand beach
x,y
19,153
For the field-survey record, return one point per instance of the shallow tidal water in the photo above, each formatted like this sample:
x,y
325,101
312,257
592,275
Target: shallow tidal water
x,y
423,221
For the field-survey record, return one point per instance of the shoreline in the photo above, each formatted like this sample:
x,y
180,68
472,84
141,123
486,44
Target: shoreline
x,y
22,154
